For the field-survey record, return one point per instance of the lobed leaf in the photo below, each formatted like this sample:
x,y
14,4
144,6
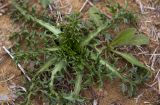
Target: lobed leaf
x,y
130,58
77,88
109,66
128,37
124,37
139,40
58,67
44,24
78,82
44,67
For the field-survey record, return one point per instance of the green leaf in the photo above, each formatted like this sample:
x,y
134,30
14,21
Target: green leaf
x,y
128,37
77,88
131,59
78,82
139,40
92,35
44,24
123,88
52,49
58,67
124,37
45,3
94,15
109,66
44,67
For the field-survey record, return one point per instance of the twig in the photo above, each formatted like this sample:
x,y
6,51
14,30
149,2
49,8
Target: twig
x,y
1,60
84,4
20,67
151,8
91,3
68,5
17,87
88,1
153,54
157,75
95,102
153,84
146,102
7,79
142,53
138,97
153,88
153,57
5,5
50,8
140,6
159,85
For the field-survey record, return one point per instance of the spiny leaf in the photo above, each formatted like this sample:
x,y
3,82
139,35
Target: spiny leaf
x,y
44,67
58,67
124,37
44,24
77,88
130,58
95,16
108,65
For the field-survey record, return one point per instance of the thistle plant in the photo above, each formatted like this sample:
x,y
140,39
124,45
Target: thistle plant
x,y
67,58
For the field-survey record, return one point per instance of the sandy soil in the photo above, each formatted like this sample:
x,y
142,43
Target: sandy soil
x,y
9,74
6,28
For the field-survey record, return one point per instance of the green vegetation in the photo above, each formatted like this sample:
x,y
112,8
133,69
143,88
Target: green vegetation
x,y
69,57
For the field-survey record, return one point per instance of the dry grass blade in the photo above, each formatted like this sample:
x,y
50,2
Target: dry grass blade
x,y
159,85
153,58
140,5
83,5
4,6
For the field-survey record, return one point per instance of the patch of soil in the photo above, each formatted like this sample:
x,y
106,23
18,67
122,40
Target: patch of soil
x,y
9,74
8,70
76,4
3,89
111,94
6,28
114,96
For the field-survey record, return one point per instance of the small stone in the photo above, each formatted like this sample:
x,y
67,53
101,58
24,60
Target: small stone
x,y
2,11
